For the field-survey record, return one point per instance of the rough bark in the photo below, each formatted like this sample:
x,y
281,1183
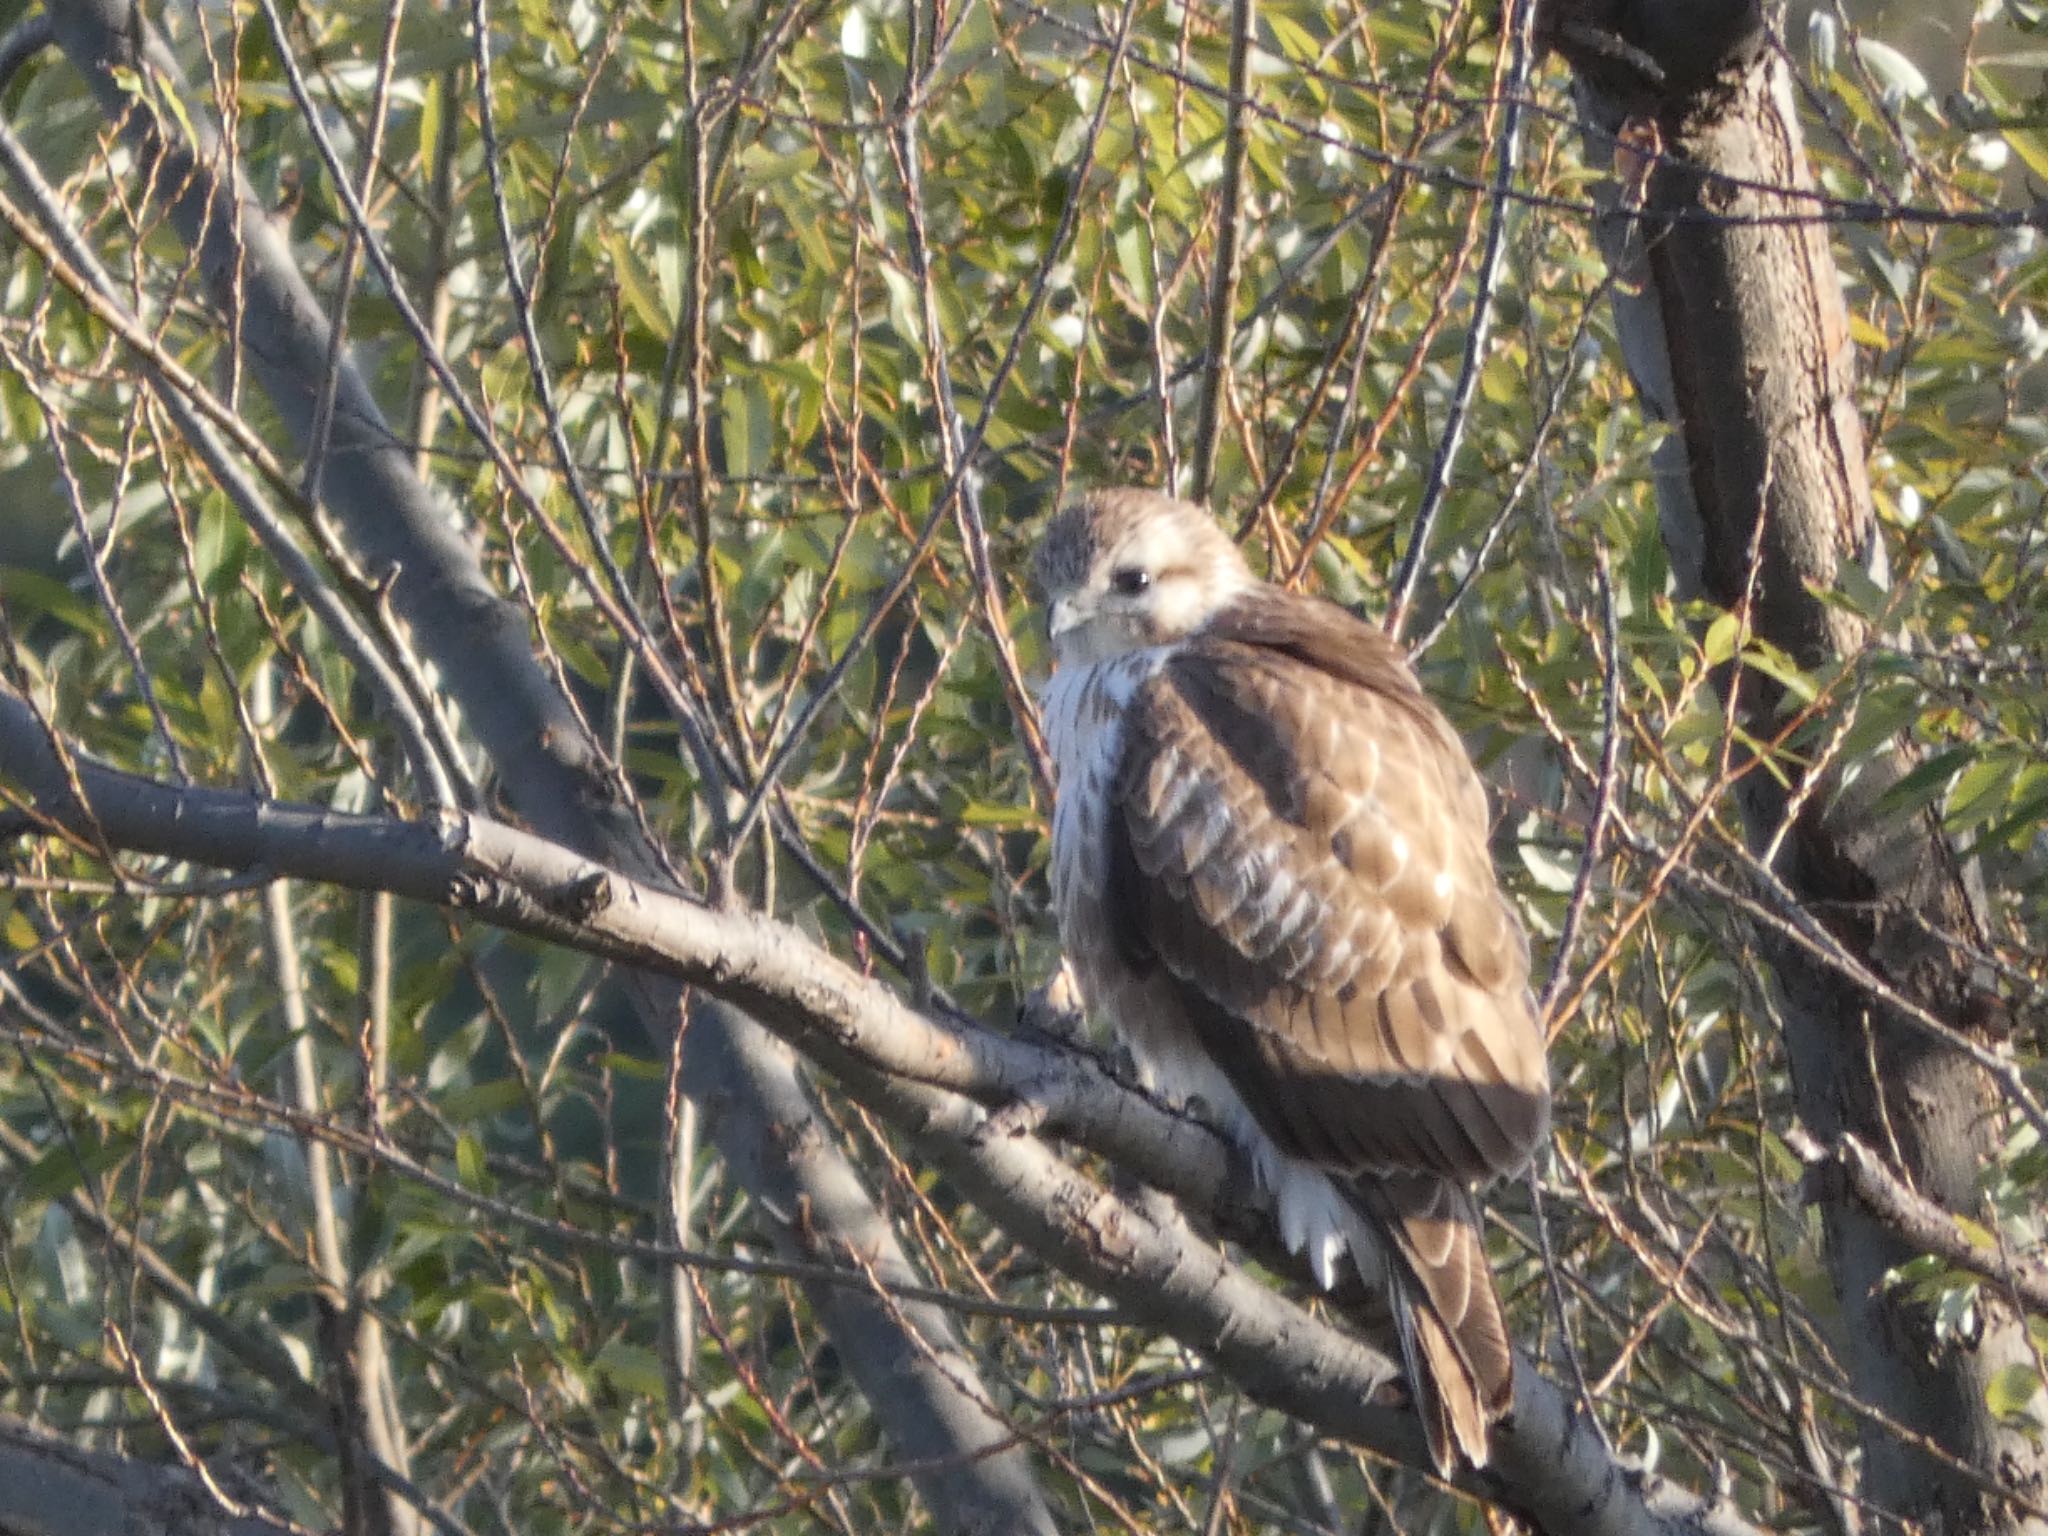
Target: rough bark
x,y
50,1488
1732,316
479,644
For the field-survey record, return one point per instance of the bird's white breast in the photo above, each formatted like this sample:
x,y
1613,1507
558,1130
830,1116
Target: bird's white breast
x,y
1084,720
1084,724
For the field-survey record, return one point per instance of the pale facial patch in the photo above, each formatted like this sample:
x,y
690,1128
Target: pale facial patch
x,y
1127,570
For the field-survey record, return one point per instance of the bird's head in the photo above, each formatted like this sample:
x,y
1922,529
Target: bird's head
x,y
1122,570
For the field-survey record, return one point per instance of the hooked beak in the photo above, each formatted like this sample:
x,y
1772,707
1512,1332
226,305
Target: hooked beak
x,y
1065,614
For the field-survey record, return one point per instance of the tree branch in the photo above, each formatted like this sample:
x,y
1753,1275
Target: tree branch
x,y
1849,1163
49,1487
938,1077
553,773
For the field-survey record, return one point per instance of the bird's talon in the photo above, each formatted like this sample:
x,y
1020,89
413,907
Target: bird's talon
x,y
1054,1009
1028,1110
1020,1117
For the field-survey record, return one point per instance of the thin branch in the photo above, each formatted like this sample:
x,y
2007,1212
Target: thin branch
x,y
1913,1216
1223,277
1507,155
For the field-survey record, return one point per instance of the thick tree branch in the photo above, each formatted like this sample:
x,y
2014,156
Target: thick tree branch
x,y
555,775
943,1079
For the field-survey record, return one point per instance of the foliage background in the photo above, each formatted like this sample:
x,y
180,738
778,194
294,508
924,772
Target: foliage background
x,y
788,266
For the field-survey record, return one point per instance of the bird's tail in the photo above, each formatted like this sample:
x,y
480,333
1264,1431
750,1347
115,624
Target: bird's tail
x,y
1454,1342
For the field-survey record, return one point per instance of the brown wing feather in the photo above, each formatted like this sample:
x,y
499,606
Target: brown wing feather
x,y
1307,842
1301,844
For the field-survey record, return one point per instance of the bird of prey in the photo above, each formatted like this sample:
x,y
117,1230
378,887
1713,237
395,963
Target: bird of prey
x,y
1270,866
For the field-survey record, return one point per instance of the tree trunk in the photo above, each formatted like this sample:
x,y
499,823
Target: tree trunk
x,y
1731,313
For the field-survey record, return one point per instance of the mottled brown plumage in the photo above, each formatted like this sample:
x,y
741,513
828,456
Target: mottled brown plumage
x,y
1271,871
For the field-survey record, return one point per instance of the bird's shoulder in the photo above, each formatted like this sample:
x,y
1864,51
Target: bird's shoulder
x,y
1301,845
1293,630
1287,685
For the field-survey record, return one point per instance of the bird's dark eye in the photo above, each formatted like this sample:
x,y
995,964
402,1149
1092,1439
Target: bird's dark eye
x,y
1131,580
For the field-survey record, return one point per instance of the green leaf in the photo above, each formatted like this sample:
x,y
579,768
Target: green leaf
x,y
1926,783
641,1067
480,1101
633,1369
748,428
977,813
1979,792
2011,1391
1722,638
28,592
470,1166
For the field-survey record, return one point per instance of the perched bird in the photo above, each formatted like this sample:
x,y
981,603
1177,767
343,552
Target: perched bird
x,y
1269,861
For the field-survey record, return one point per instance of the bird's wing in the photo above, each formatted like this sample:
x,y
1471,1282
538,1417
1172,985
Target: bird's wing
x,y
1301,843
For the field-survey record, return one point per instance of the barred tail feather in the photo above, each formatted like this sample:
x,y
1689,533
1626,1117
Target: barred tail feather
x,y
1447,1316
1448,1395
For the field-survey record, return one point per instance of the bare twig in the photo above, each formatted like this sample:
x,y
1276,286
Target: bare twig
x,y
1507,155
1226,262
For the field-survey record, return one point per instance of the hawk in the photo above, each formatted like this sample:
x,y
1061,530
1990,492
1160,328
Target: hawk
x,y
1270,866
